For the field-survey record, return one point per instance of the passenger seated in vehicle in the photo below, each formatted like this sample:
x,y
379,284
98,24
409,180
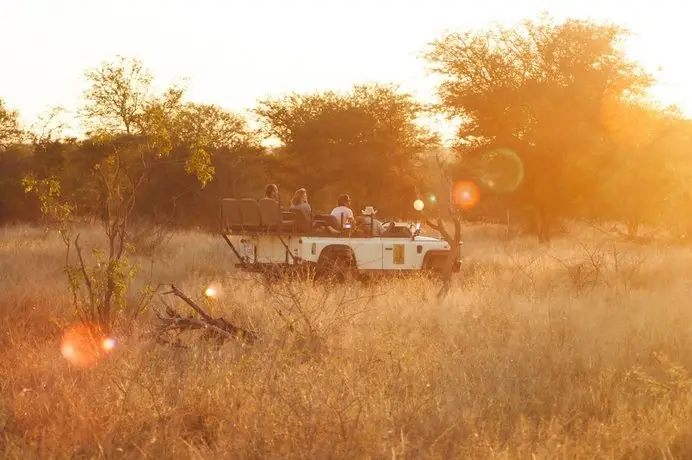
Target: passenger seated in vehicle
x,y
299,204
343,211
370,221
271,191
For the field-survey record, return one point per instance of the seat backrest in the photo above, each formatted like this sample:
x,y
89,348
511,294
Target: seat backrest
x,y
328,219
303,222
363,226
269,212
230,213
250,212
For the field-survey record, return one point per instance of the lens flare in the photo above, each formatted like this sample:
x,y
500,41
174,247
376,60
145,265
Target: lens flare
x,y
502,170
466,194
84,344
108,344
418,205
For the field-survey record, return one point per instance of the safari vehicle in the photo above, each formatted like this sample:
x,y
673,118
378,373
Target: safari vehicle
x,y
265,239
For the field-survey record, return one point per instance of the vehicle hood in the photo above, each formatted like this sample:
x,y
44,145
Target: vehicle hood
x,y
427,238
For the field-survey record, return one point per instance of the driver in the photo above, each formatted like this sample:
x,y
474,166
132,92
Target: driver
x,y
377,227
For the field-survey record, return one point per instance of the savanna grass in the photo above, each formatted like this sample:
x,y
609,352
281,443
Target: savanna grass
x,y
527,356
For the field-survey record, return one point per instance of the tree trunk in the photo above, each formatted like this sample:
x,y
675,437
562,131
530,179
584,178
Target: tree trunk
x,y
544,230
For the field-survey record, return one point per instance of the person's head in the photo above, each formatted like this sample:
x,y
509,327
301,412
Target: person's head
x,y
369,211
345,200
301,196
272,191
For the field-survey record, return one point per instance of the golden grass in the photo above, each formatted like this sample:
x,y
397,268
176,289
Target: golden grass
x,y
532,355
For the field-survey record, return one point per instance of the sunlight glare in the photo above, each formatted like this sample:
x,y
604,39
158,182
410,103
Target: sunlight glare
x,y
418,205
213,290
466,194
108,344
502,170
83,345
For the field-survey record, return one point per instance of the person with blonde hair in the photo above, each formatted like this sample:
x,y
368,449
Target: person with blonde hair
x,y
300,205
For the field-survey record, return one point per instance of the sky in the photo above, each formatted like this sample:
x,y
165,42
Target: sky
x,y
234,52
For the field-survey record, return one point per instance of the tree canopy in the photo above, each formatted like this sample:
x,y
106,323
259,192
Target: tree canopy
x,y
557,95
365,142
10,132
556,122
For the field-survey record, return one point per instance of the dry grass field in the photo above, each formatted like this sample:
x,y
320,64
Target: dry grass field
x,y
577,350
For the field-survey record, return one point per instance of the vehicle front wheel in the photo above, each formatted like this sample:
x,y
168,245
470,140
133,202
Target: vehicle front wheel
x,y
434,266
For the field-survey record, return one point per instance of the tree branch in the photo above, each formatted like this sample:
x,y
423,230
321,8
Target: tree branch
x,y
85,274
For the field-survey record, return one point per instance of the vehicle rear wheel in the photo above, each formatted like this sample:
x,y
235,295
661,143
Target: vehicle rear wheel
x,y
336,266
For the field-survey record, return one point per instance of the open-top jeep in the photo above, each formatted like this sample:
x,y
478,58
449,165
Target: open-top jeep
x,y
266,238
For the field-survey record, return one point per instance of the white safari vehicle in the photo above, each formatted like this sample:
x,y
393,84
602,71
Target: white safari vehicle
x,y
266,239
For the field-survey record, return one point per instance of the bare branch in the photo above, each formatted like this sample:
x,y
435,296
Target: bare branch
x,y
189,301
85,274
220,326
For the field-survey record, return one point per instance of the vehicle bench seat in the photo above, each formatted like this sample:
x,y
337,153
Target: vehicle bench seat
x,y
266,215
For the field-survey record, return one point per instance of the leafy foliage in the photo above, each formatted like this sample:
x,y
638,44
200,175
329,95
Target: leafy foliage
x,y
540,90
580,136
10,131
133,134
366,142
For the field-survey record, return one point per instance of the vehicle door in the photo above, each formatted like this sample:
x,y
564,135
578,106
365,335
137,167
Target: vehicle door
x,y
368,252
400,253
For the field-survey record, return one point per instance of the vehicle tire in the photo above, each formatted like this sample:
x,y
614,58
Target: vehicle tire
x,y
335,265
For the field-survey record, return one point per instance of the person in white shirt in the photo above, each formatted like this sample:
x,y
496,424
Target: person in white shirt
x,y
343,211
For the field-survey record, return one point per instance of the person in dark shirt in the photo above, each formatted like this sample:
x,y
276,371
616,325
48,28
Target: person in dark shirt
x,y
272,191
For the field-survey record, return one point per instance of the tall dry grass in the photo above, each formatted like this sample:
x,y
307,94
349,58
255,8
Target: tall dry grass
x,y
581,349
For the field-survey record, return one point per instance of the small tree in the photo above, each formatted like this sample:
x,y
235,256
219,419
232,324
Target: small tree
x,y
445,200
131,131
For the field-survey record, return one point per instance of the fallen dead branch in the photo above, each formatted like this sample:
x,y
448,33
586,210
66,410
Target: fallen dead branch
x,y
216,329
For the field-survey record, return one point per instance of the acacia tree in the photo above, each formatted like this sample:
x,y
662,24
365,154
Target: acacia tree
x,y
537,89
366,142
